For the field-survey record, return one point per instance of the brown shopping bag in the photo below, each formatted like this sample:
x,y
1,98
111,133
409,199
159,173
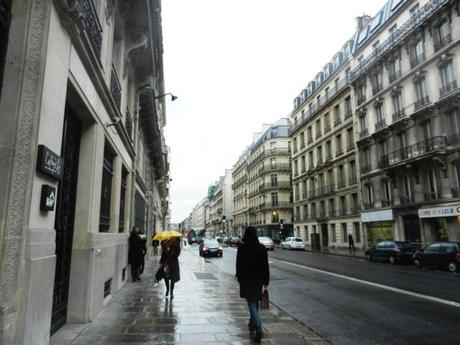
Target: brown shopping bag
x,y
264,301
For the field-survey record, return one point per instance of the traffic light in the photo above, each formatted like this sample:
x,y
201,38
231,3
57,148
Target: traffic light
x,y
224,219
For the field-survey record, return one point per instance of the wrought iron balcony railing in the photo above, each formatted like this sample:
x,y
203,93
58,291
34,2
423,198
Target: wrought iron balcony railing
x,y
394,75
337,122
398,115
386,202
364,133
129,124
442,42
417,60
413,23
420,103
353,180
366,168
432,196
448,88
417,150
380,124
327,128
341,183
407,199
355,209
92,25
115,88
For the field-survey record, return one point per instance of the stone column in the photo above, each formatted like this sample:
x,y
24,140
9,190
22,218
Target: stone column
x,y
20,114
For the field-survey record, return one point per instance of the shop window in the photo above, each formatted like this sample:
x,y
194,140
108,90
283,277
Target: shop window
x,y
106,192
357,232
344,232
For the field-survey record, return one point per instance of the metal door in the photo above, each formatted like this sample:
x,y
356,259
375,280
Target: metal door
x,y
65,214
324,235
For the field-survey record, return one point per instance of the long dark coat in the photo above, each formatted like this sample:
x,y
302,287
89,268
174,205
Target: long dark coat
x,y
137,249
252,269
171,258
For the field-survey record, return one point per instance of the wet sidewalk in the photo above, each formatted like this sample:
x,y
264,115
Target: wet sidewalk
x,y
206,309
356,253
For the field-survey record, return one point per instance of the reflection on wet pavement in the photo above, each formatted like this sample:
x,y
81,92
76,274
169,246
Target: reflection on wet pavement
x,y
206,309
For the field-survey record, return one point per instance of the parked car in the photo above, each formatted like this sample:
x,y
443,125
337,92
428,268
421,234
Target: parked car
x,y
234,241
267,242
210,247
391,251
440,255
292,243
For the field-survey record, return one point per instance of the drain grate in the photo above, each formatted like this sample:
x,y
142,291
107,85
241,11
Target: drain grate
x,y
204,276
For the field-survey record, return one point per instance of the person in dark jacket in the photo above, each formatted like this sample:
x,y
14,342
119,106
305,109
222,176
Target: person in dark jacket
x,y
170,262
253,275
136,253
351,242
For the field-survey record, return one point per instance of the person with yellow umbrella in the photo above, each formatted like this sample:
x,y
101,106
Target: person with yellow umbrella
x,y
169,262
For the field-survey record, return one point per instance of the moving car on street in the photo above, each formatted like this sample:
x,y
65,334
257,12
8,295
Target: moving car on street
x,y
439,255
234,241
267,242
293,243
210,247
391,251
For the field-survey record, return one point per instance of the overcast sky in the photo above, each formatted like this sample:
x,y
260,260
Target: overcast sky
x,y
236,64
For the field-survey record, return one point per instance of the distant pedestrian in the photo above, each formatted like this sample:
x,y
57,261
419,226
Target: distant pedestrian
x,y
136,253
170,263
155,244
144,249
253,274
351,242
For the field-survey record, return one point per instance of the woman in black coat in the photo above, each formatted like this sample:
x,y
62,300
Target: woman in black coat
x,y
253,274
136,253
170,262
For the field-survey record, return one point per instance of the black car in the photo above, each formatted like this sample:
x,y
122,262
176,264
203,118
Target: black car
x,y
210,247
391,251
440,255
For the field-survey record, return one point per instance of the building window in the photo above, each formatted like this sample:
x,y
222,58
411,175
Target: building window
x,y
332,211
274,180
401,139
327,123
5,15
344,232
448,81
276,218
376,81
309,134
363,126
369,195
106,192
318,128
338,145
319,155
303,164
379,117
328,151
337,118
394,69
340,177
302,140
274,199
397,105
348,108
407,189
432,183
442,35
420,90
417,53
333,233
426,129
121,219
357,232
386,186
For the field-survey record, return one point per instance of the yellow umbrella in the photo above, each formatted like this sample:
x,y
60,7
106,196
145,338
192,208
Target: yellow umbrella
x,y
166,235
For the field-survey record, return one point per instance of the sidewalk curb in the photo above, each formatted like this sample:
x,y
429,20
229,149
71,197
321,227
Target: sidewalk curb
x,y
360,257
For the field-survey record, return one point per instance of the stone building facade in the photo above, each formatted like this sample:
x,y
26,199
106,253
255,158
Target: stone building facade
x,y
269,185
404,75
220,207
240,195
83,156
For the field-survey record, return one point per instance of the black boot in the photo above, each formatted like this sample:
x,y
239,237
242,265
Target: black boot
x,y
259,336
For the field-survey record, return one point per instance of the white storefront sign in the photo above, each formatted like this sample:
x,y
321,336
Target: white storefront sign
x,y
377,216
448,211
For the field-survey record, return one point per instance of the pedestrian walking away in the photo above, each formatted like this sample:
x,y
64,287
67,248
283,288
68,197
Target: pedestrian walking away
x,y
136,253
253,274
170,263
155,244
144,239
351,242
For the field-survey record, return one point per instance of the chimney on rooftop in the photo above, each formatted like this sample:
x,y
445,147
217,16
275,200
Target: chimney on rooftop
x,y
362,21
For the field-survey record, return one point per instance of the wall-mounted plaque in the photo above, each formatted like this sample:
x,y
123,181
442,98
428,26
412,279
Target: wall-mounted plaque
x,y
48,198
50,163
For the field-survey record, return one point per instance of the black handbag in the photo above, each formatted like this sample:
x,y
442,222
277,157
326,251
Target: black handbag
x,y
264,301
160,274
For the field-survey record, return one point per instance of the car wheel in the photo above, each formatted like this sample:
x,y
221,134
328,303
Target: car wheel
x,y
417,263
368,257
392,260
452,266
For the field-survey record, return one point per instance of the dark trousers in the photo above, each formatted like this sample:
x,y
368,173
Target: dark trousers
x,y
169,286
135,271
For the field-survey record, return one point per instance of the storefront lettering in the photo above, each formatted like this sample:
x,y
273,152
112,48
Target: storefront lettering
x,y
449,211
49,163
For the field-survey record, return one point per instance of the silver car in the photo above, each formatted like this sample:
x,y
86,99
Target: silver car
x,y
267,242
293,243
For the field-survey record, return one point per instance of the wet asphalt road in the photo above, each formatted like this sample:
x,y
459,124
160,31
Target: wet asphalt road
x,y
352,312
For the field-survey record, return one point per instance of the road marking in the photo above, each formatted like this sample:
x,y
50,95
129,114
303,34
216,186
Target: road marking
x,y
381,286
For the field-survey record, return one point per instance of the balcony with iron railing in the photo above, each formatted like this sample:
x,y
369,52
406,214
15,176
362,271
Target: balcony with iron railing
x,y
276,167
448,88
276,205
240,181
129,124
278,185
394,40
366,168
337,122
328,157
341,183
325,190
394,75
415,151
420,103
398,115
407,199
386,202
318,134
327,128
368,205
417,60
429,196
364,133
341,211
353,180
115,88
322,215
380,124
355,210
442,42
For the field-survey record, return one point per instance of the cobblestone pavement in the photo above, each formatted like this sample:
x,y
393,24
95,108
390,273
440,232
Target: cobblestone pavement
x,y
206,309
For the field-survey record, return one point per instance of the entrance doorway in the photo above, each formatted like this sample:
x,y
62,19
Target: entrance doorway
x,y
324,235
65,214
412,229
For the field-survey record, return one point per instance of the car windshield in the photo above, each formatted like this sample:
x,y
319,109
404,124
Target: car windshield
x,y
403,244
298,239
211,243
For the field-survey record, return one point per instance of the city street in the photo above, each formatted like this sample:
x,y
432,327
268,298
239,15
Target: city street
x,y
352,301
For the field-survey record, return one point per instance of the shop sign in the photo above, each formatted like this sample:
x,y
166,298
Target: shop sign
x,y
49,162
376,216
448,211
48,198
